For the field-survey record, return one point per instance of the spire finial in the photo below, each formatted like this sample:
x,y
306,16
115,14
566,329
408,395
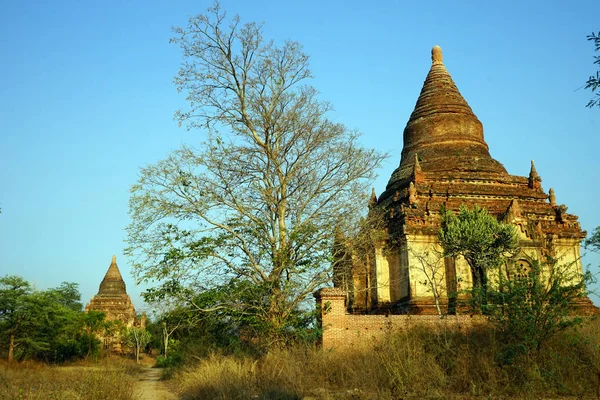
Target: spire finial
x,y
373,199
114,260
436,55
535,182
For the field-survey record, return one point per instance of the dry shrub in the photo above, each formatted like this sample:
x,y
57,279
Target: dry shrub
x,y
36,381
419,363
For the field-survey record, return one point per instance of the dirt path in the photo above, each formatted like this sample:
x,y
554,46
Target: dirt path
x,y
150,387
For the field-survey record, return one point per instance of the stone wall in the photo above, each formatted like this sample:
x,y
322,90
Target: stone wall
x,y
343,330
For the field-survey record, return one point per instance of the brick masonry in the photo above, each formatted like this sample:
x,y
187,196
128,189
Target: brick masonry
x,y
342,330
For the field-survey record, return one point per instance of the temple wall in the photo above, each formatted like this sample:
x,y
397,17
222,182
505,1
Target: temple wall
x,y
342,330
382,271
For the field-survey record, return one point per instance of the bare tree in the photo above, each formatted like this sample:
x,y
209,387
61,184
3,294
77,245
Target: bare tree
x,y
430,262
257,203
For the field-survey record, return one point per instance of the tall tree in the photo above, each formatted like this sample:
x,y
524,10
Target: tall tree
x,y
593,82
258,201
481,239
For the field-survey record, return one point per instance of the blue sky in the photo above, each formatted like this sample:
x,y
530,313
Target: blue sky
x,y
86,99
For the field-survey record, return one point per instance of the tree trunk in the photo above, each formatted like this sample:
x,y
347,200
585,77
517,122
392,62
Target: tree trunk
x,y
165,338
11,346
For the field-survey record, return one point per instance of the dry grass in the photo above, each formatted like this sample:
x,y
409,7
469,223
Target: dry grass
x,y
33,381
417,364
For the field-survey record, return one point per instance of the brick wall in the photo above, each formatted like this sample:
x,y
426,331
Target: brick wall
x,y
343,330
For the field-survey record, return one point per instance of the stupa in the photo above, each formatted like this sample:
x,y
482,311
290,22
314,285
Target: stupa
x,y
113,300
445,162
112,297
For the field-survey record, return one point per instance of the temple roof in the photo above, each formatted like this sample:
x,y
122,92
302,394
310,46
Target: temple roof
x,y
113,283
445,163
442,132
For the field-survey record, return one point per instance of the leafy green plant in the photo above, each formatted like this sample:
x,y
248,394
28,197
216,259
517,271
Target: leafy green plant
x,y
483,241
531,306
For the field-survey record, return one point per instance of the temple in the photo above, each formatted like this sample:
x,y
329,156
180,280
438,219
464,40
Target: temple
x,y
445,162
113,300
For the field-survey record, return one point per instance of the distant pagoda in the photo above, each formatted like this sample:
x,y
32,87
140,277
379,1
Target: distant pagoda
x,y
445,163
113,300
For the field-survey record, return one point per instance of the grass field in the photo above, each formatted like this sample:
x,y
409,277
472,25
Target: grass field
x,y
111,379
417,364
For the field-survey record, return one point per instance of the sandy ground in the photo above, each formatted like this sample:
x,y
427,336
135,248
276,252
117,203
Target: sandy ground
x,y
150,387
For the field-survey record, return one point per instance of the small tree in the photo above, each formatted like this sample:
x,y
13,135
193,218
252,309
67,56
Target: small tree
x,y
15,293
94,324
531,306
137,338
430,262
482,240
593,82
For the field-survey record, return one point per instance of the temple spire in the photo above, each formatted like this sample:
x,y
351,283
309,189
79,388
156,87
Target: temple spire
x,y
535,182
373,199
113,283
436,55
443,130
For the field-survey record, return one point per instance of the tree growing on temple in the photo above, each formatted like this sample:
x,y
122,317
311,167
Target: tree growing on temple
x,y
483,241
593,82
256,204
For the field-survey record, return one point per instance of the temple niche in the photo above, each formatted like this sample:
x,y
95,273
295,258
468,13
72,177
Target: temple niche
x,y
445,162
113,300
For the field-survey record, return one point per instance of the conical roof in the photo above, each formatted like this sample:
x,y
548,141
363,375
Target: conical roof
x,y
442,131
113,283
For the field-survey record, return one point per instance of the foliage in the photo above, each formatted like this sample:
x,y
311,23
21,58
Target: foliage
x,y
14,306
531,306
248,217
353,255
593,82
593,242
137,338
42,325
484,242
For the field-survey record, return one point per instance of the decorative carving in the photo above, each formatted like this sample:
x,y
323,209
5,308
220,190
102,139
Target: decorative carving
x,y
417,175
412,194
